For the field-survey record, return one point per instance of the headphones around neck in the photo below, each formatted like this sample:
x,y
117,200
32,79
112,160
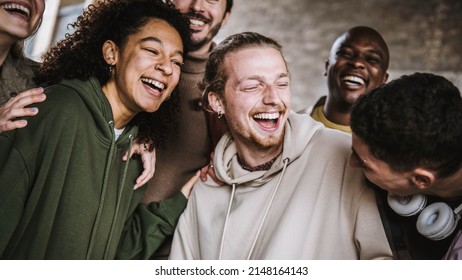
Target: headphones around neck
x,y
436,221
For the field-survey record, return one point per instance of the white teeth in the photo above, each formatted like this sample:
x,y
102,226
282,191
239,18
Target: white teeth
x,y
196,22
354,79
157,84
266,116
16,7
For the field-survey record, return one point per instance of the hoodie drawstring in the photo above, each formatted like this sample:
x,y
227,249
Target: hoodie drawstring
x,y
226,221
286,161
103,194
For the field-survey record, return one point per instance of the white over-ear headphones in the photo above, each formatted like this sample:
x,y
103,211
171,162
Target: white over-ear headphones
x,y
436,222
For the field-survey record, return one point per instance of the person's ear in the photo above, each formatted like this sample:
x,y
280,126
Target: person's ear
x,y
216,103
110,52
225,18
326,66
422,178
385,78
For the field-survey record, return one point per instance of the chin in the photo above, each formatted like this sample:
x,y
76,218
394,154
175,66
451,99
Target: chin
x,y
271,141
151,110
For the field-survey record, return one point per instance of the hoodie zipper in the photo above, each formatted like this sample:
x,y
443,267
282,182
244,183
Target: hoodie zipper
x,y
103,194
119,198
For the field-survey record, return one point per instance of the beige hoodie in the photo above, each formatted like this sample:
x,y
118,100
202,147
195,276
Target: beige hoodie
x,y
309,205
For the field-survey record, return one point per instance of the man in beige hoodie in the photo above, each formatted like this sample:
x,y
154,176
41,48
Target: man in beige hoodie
x,y
288,190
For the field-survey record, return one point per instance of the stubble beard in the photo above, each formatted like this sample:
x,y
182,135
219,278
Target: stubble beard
x,y
266,143
197,44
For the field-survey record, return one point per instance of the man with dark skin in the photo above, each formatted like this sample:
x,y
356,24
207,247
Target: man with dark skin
x,y
357,63
406,139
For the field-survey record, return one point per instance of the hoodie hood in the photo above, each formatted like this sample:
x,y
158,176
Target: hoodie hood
x,y
99,107
298,133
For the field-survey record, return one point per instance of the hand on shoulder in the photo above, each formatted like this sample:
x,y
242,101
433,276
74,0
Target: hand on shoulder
x,y
16,108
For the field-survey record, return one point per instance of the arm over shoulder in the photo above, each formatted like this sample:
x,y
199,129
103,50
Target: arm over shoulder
x,y
185,245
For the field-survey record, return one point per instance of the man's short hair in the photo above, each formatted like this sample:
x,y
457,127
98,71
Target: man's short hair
x,y
413,121
215,76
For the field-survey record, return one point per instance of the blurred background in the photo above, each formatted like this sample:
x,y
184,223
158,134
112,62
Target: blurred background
x,y
423,36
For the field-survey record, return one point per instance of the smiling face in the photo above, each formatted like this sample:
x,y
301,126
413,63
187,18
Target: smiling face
x,y
357,64
206,18
146,69
19,19
256,97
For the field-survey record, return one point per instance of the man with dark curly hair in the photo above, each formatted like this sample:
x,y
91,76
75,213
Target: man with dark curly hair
x,y
407,139
65,192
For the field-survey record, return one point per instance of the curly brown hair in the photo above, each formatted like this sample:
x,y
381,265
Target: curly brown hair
x,y
79,55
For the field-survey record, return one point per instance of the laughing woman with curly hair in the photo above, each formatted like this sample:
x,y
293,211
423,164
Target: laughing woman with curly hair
x,y
65,192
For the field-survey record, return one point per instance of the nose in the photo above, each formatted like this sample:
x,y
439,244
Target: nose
x,y
165,67
197,5
357,61
271,95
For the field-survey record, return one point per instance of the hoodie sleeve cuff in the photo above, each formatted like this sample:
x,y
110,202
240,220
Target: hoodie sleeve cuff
x,y
175,205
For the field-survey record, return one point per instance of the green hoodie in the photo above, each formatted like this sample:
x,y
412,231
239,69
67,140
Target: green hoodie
x,y
65,192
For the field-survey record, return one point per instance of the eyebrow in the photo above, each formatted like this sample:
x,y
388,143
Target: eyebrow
x,y
284,75
160,42
261,78
379,52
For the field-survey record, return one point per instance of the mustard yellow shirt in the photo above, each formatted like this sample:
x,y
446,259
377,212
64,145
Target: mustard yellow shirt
x,y
318,115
